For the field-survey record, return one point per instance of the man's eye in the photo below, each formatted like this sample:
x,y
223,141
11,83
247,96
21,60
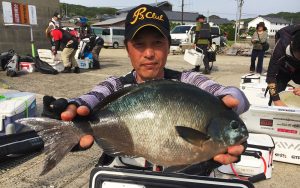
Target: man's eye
x,y
138,44
158,42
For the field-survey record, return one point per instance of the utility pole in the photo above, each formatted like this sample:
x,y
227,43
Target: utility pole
x,y
66,10
238,18
207,20
182,5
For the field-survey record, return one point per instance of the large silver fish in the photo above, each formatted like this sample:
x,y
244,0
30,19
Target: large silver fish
x,y
168,123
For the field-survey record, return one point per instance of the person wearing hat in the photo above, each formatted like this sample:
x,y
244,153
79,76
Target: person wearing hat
x,y
202,41
69,43
85,29
147,41
258,39
54,23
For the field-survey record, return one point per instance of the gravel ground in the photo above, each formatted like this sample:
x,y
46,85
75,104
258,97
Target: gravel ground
x,y
74,170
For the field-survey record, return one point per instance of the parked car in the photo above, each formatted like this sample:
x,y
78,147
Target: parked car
x,y
98,31
113,36
186,34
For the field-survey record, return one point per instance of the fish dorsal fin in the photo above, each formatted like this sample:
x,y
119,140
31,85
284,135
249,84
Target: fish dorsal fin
x,y
114,96
192,136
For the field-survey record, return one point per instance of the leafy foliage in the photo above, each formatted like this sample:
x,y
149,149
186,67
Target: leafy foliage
x,y
251,31
89,12
229,28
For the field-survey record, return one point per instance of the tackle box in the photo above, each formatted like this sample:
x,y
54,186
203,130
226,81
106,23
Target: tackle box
x,y
104,177
257,159
13,106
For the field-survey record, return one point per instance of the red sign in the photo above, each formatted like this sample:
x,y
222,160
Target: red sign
x,y
287,131
24,16
266,122
16,12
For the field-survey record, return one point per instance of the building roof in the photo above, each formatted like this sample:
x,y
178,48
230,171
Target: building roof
x,y
111,21
276,20
187,16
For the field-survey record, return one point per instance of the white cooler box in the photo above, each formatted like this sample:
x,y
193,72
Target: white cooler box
x,y
287,150
273,120
85,63
254,86
252,164
193,57
13,106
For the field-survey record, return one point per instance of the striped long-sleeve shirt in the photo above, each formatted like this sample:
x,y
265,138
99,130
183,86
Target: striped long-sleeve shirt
x,y
113,84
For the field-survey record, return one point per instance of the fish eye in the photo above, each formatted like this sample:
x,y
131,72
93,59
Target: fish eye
x,y
234,124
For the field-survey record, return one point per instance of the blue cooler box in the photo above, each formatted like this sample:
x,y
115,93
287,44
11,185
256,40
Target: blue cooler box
x,y
13,106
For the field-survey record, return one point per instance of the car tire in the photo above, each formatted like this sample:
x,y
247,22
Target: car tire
x,y
115,45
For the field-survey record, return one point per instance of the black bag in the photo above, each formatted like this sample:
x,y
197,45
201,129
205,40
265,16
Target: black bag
x,y
211,55
265,46
5,57
102,177
20,143
44,67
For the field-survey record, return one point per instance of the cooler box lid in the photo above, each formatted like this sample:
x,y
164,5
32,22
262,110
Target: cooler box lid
x,y
260,140
15,102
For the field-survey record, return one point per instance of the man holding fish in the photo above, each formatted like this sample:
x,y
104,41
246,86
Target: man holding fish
x,y
147,40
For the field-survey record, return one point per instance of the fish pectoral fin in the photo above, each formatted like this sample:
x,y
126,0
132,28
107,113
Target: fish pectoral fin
x,y
108,148
175,168
192,136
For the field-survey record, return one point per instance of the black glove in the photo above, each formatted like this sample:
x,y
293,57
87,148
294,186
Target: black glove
x,y
53,107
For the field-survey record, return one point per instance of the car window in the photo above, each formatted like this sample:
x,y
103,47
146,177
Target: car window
x,y
118,32
214,31
180,29
106,32
97,31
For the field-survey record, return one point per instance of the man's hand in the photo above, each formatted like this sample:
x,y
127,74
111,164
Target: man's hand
x,y
233,152
86,141
232,155
296,91
54,52
279,103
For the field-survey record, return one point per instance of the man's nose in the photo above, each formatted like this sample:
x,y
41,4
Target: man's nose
x,y
149,52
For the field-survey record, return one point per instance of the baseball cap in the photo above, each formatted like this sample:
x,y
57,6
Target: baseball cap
x,y
144,16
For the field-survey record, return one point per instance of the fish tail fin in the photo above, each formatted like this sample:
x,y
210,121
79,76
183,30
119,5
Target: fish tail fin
x,y
59,138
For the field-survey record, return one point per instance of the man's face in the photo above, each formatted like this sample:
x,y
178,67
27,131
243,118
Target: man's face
x,y
201,20
148,52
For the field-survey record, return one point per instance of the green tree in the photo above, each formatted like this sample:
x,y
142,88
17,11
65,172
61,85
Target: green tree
x,y
229,28
251,31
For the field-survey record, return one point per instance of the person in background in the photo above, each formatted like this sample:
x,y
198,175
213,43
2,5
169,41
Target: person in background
x,y
259,37
202,41
69,43
97,44
147,41
85,29
284,64
54,23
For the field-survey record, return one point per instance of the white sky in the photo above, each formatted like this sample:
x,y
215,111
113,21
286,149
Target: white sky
x,y
222,8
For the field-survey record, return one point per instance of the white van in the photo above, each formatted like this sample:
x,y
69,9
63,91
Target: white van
x,y
113,36
186,34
